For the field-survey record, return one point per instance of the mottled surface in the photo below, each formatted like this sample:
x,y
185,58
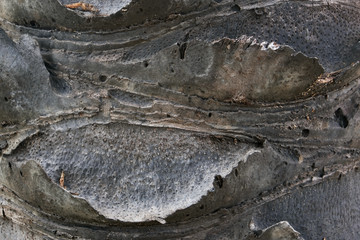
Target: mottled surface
x,y
134,174
327,201
179,119
279,231
103,7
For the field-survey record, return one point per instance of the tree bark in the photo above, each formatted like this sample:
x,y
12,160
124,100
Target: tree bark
x,y
207,119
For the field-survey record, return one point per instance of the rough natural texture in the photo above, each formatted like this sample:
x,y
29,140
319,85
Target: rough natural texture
x,y
279,231
179,119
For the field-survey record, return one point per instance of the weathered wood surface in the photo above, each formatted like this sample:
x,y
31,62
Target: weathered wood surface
x,y
179,119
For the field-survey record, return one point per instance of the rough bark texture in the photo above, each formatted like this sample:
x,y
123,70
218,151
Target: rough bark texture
x,y
207,119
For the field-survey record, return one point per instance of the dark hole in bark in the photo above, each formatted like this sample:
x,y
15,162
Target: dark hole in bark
x,y
236,8
258,233
340,118
339,176
322,172
102,78
219,181
305,132
182,50
33,23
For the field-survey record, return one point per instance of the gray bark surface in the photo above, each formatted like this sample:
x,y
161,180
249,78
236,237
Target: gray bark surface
x,y
207,119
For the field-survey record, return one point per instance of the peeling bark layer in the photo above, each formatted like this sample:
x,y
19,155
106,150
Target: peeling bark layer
x,y
178,119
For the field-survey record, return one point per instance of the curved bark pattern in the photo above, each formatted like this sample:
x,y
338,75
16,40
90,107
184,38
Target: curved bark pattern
x,y
199,119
